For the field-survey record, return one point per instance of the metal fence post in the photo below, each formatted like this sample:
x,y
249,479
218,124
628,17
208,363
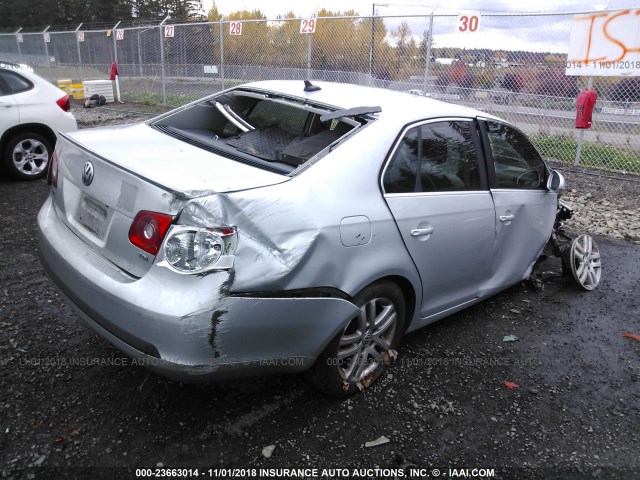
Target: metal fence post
x,y
114,36
309,56
162,72
18,44
115,43
428,54
581,134
373,39
79,54
46,51
139,31
221,54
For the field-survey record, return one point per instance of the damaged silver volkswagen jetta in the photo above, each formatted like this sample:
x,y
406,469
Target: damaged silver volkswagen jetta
x,y
281,226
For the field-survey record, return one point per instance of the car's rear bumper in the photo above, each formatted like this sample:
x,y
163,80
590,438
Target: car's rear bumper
x,y
186,327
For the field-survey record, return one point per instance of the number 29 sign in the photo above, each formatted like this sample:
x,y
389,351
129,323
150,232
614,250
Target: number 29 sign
x,y
308,25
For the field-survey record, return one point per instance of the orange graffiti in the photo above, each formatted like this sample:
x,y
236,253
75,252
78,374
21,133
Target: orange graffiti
x,y
605,30
624,48
593,20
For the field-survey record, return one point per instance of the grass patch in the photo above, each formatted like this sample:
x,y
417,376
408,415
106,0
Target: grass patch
x,y
155,98
597,155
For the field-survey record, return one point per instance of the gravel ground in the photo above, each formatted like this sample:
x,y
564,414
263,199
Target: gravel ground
x,y
72,406
114,113
605,204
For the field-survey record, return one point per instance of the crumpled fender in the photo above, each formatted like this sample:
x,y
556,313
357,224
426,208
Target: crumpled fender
x,y
274,236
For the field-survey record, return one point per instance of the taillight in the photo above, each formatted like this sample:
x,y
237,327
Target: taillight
x,y
52,174
148,230
64,103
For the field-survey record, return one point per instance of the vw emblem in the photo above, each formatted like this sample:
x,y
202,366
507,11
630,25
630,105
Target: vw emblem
x,y
87,173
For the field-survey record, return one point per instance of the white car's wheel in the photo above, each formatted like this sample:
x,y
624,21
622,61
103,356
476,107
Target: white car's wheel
x,y
356,357
27,155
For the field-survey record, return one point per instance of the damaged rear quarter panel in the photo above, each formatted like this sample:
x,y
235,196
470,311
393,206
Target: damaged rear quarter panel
x,y
274,236
289,233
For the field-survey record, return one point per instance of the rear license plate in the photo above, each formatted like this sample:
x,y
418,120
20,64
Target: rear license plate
x,y
93,215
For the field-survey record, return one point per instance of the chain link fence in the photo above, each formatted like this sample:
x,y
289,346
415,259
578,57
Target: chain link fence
x,y
513,67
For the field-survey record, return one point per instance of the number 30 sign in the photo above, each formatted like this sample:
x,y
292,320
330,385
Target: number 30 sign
x,y
468,23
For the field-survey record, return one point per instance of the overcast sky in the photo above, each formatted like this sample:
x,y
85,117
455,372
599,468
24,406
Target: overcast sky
x,y
537,33
305,8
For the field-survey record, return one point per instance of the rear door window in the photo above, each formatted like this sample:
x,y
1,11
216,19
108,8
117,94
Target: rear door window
x,y
435,157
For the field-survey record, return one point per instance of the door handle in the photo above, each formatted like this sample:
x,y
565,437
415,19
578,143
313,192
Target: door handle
x,y
507,218
419,232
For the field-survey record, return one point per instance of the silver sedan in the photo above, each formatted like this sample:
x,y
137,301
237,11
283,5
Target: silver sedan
x,y
282,226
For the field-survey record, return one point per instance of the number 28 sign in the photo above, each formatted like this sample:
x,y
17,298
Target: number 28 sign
x,y
235,28
468,23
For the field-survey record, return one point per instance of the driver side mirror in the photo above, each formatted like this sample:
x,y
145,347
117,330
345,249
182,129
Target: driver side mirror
x,y
556,182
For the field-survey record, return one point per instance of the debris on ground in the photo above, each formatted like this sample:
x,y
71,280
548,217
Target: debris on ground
x,y
268,451
377,442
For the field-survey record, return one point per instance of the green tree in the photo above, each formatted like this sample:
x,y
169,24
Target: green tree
x,y
213,15
287,47
424,43
248,48
402,39
337,42
176,9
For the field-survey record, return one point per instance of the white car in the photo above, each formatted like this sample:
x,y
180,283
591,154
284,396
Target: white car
x,y
32,112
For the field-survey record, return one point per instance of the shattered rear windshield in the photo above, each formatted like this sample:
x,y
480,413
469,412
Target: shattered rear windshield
x,y
263,129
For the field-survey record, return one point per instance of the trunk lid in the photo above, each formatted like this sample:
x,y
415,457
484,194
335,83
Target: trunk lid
x,y
136,168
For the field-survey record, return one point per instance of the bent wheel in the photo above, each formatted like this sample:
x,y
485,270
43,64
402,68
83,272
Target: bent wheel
x,y
356,357
581,261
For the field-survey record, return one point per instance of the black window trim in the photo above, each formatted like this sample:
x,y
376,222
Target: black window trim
x,y
488,154
481,154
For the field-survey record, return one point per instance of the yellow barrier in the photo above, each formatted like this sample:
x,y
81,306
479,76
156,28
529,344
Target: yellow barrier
x,y
77,91
65,85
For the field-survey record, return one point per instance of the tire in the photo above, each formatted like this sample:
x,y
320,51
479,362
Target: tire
x,y
581,262
357,356
27,155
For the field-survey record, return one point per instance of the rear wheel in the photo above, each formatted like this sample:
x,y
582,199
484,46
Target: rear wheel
x,y
357,356
26,156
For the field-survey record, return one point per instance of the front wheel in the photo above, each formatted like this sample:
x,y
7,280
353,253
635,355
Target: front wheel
x,y
26,156
356,357
581,262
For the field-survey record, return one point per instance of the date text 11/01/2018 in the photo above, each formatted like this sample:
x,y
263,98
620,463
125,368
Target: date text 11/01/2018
x,y
605,64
